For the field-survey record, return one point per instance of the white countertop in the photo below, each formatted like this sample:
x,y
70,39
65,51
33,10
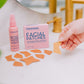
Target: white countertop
x,y
67,68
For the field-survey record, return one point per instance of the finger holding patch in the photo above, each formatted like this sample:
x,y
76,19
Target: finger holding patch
x,y
63,45
69,44
75,39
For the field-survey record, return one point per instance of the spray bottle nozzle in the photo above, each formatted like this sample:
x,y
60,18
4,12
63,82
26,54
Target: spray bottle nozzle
x,y
12,21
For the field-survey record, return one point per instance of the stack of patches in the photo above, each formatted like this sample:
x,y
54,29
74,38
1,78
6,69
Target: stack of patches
x,y
28,59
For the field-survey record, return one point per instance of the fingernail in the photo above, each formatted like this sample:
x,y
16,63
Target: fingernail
x,y
61,39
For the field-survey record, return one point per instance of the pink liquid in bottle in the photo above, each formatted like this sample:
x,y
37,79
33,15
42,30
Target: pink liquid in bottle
x,y
13,33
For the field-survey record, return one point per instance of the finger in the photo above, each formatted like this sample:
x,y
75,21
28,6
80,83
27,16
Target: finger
x,y
73,47
69,44
64,30
67,27
64,44
75,39
65,34
80,37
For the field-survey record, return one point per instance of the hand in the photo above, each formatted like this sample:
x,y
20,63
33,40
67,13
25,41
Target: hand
x,y
72,35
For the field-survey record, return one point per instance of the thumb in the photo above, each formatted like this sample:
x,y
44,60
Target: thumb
x,y
65,36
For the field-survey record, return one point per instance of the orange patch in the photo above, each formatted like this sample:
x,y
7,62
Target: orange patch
x,y
36,51
9,58
17,64
25,53
48,52
56,48
30,60
40,56
18,56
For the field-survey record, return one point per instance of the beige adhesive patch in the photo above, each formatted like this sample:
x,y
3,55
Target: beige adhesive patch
x,y
41,56
56,48
18,55
17,64
48,52
36,51
9,58
25,53
30,60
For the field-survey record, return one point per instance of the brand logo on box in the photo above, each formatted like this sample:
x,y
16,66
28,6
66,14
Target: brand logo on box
x,y
35,35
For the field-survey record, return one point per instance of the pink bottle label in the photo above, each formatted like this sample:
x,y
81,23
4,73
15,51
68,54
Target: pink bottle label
x,y
36,36
14,40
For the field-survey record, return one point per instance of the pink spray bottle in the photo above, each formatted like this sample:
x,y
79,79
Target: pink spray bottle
x,y
13,33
